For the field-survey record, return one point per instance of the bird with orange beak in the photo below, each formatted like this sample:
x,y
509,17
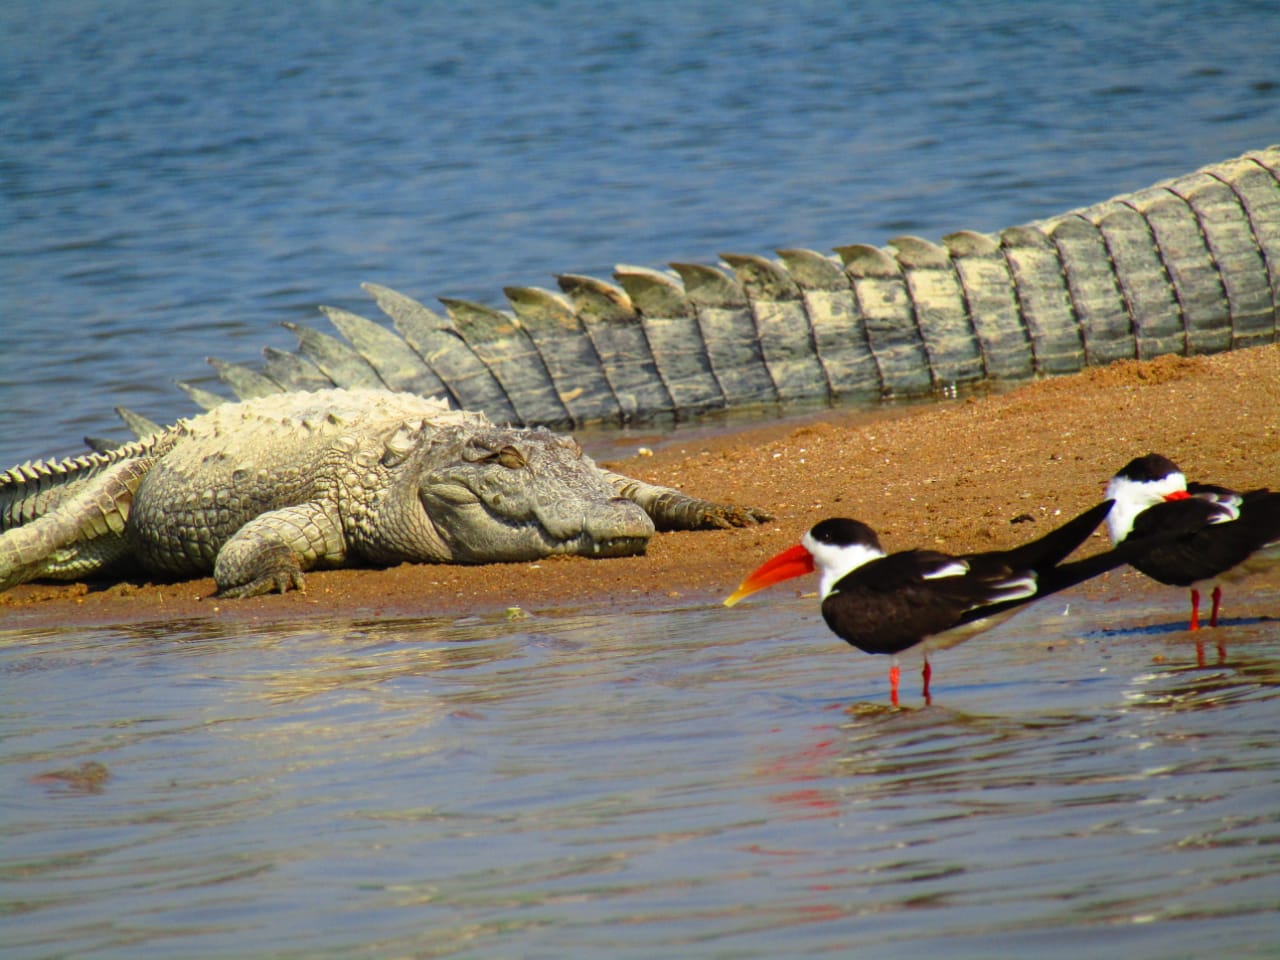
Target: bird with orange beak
x,y
888,603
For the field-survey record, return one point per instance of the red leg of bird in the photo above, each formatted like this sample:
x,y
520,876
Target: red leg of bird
x,y
925,674
1199,653
1195,610
1217,605
893,684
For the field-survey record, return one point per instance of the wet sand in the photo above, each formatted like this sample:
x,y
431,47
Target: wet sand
x,y
969,474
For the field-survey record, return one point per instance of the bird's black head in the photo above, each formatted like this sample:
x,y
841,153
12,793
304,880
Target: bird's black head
x,y
1148,469
843,532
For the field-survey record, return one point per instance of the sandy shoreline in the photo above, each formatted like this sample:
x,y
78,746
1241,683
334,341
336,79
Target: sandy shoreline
x,y
967,474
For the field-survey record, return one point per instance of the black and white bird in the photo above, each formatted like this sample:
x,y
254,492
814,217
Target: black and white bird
x,y
1197,535
890,603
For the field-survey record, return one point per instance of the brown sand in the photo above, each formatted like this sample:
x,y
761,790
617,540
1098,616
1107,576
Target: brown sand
x,y
969,474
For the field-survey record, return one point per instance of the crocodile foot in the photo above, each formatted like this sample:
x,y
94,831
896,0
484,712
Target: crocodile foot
x,y
274,568
721,516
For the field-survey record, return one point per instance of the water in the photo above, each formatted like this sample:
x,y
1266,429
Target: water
x,y
688,781
179,178
682,783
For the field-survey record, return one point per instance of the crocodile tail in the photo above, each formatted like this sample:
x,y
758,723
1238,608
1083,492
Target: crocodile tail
x,y
91,519
33,489
1187,266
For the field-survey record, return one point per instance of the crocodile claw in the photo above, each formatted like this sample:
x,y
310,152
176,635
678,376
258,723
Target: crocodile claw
x,y
722,516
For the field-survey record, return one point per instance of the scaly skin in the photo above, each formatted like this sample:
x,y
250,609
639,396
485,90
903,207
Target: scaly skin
x,y
259,492
1188,266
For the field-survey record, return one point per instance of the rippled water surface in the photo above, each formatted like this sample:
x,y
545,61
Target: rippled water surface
x,y
693,782
176,179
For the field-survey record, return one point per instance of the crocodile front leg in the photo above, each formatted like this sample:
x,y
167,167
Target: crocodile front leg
x,y
673,510
272,550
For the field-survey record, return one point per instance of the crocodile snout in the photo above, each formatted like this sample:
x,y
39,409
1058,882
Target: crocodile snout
x,y
597,527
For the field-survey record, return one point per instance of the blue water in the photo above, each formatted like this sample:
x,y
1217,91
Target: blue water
x,y
678,783
179,178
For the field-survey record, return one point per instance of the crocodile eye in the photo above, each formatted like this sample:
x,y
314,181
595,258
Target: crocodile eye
x,y
511,458
505,455
508,455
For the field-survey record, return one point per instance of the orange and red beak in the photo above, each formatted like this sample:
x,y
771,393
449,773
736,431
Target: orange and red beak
x,y
793,562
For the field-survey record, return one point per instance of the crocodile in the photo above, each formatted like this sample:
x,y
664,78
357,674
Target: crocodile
x,y
262,490
1190,265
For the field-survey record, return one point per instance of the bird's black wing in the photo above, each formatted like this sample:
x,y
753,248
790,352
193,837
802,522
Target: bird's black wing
x,y
894,602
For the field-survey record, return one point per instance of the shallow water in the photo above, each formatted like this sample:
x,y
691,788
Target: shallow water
x,y
692,782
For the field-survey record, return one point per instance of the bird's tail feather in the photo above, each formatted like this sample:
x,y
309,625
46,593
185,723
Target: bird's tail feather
x,y
1050,550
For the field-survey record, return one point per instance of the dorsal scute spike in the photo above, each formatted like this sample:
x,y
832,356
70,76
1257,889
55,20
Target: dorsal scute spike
x,y
396,361
654,293
537,307
374,342
399,306
471,316
1025,236
244,382
916,252
970,243
710,286
761,277
812,270
1072,228
202,398
345,320
595,299
293,371
141,426
451,367
338,361
864,260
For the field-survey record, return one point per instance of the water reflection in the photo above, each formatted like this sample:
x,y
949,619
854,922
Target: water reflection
x,y
658,781
87,777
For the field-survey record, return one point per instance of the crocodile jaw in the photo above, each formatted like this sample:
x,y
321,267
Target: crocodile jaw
x,y
473,533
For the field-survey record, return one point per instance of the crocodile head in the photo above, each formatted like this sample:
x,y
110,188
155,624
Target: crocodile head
x,y
505,494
